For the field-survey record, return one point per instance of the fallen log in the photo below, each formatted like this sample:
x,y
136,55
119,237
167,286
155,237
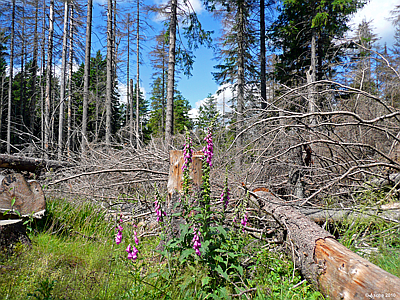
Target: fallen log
x,y
338,215
30,164
389,212
332,268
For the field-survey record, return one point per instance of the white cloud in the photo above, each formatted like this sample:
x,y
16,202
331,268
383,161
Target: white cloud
x,y
377,11
123,92
189,6
222,101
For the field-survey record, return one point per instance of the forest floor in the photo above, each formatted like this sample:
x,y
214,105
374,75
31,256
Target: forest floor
x,y
74,256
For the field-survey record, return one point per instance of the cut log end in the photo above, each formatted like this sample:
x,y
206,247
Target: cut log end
x,y
346,275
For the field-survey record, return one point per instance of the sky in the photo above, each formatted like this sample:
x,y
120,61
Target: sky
x,y
197,87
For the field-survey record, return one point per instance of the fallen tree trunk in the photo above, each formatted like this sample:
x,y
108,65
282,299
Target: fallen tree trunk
x,y
30,164
332,215
332,268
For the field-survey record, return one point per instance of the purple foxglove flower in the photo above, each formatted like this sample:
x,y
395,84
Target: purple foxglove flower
x,y
136,238
118,238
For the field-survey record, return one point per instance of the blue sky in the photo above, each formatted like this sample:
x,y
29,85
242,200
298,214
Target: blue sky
x,y
197,87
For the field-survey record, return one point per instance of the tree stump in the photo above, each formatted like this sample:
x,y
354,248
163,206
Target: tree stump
x,y
28,195
12,232
174,187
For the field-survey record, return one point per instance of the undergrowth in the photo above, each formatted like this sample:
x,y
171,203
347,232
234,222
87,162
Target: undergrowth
x,y
74,256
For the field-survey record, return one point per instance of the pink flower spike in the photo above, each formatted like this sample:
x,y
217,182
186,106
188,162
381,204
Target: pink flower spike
x,y
136,240
118,237
129,248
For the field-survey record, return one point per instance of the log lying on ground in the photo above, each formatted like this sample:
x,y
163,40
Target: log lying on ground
x,y
29,164
332,268
338,215
17,194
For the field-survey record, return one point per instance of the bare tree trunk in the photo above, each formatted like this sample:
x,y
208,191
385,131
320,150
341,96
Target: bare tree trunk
x,y
171,75
109,71
240,82
23,69
263,80
311,73
86,75
43,64
48,81
131,114
2,102
127,75
137,78
71,56
32,103
10,78
62,83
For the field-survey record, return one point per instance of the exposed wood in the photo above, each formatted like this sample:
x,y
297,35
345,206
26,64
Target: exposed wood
x,y
30,164
29,196
346,275
332,268
176,173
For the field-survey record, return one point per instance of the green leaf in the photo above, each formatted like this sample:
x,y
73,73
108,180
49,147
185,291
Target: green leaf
x,y
222,272
222,230
13,201
239,268
205,281
185,253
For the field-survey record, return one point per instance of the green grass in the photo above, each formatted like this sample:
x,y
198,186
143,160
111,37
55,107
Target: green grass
x,y
74,256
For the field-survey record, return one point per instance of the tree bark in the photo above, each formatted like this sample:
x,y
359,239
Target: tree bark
x,y
131,114
127,72
263,80
71,57
86,76
240,83
329,266
10,78
32,103
137,78
109,72
171,74
47,105
29,164
62,81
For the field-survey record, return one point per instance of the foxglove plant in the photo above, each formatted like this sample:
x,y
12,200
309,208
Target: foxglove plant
x,y
159,212
187,160
118,237
132,252
208,149
196,241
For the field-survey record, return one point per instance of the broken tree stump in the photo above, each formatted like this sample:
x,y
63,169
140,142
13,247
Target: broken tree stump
x,y
332,268
17,194
176,173
174,186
